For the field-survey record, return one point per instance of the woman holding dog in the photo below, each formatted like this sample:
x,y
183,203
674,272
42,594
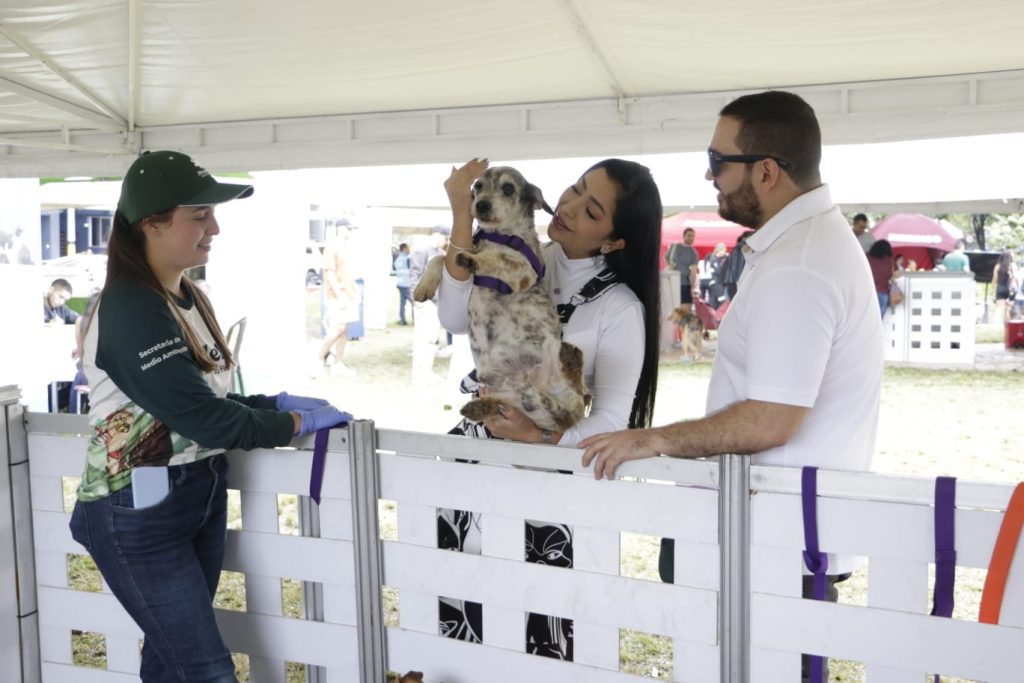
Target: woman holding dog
x,y
152,503
608,222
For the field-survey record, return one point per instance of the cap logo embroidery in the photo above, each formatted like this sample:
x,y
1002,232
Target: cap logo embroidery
x,y
200,171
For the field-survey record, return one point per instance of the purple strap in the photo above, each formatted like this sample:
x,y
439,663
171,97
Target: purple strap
x,y
945,548
513,242
517,243
491,282
316,475
816,561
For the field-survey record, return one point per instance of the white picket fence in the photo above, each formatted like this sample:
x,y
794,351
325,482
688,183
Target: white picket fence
x,y
885,519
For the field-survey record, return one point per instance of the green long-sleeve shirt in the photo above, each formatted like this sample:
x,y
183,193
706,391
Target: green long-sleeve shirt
x,y
150,403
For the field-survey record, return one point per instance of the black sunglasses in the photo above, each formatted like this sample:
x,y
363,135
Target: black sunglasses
x,y
715,160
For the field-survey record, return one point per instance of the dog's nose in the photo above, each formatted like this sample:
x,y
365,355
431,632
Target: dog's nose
x,y
483,206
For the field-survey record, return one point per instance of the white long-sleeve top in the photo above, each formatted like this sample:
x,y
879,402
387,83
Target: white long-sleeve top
x,y
609,330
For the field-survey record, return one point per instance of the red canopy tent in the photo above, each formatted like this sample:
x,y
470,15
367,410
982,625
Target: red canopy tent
x,y
710,228
917,237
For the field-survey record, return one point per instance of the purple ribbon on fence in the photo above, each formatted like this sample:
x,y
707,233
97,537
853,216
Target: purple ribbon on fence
x,y
816,561
316,474
945,548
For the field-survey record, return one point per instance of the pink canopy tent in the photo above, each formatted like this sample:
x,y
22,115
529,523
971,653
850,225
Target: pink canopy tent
x,y
710,228
917,237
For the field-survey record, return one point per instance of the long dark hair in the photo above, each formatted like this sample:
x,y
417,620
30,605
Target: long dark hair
x,y
637,221
126,262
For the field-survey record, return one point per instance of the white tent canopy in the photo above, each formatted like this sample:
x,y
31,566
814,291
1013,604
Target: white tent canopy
x,y
265,84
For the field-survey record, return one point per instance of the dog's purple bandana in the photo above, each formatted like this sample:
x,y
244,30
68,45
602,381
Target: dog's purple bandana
x,y
512,242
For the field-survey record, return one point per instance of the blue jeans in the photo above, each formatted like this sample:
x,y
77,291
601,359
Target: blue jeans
x,y
403,296
883,301
163,564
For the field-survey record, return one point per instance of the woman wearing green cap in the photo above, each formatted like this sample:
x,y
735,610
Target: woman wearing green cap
x,y
152,503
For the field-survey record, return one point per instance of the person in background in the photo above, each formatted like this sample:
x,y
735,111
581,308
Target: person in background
x,y
55,309
716,271
733,268
860,231
1006,282
341,304
957,261
883,265
427,325
797,377
403,281
683,257
159,369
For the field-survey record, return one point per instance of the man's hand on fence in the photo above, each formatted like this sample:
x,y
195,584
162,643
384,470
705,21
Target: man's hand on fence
x,y
610,450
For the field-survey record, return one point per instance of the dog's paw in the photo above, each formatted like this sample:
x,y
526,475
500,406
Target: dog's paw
x,y
480,409
423,292
571,357
466,261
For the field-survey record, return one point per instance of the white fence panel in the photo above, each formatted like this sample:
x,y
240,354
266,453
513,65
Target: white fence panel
x,y
260,551
889,521
510,484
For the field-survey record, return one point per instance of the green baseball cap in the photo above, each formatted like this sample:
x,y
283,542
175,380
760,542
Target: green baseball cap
x,y
159,181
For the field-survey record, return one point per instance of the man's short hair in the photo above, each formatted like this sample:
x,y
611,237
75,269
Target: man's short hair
x,y
960,244
860,217
61,283
689,230
783,125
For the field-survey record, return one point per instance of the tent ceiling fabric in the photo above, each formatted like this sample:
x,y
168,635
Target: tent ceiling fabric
x,y
87,79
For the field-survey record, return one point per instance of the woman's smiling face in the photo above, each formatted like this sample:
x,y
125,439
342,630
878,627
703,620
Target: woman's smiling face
x,y
184,241
582,223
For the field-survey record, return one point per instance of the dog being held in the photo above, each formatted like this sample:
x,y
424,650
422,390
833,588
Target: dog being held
x,y
691,331
514,330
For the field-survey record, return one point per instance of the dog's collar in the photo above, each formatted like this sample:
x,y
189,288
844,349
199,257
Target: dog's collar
x,y
513,242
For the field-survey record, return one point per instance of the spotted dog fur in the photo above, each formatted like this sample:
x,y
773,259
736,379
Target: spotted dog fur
x,y
516,338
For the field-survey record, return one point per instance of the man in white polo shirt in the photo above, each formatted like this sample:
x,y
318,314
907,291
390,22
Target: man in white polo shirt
x,y
797,376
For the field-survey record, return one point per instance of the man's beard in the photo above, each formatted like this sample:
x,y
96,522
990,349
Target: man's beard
x,y
742,206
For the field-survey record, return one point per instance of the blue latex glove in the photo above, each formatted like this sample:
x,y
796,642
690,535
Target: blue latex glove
x,y
288,402
319,418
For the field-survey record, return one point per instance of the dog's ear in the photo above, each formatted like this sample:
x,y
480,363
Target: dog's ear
x,y
535,198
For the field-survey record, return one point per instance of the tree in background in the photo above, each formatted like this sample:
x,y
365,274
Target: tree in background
x,y
990,231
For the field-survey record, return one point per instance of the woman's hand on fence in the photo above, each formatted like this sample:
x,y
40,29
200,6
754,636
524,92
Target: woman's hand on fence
x,y
288,402
608,451
319,418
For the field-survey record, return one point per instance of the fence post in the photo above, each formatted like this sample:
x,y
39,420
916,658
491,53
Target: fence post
x,y
368,561
312,592
19,618
734,527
